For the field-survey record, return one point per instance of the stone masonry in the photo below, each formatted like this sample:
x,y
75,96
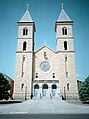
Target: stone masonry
x,y
45,73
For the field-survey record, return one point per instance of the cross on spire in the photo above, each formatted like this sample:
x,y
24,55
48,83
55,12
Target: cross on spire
x,y
27,6
62,5
44,42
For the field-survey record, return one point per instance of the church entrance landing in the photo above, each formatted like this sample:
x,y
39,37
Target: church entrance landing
x,y
48,88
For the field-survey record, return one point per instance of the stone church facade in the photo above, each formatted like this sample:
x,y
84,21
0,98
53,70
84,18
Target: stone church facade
x,y
45,73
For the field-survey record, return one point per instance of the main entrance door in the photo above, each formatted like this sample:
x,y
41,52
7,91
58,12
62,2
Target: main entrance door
x,y
54,88
45,90
36,90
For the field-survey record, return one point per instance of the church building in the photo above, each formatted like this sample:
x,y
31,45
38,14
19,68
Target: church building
x,y
45,73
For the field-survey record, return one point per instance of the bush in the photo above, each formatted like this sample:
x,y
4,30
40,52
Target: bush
x,y
84,90
4,88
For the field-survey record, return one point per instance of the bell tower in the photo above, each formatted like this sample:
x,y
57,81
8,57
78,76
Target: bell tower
x,y
24,57
64,36
65,49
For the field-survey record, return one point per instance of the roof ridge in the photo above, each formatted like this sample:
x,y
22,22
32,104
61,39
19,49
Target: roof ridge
x,y
43,47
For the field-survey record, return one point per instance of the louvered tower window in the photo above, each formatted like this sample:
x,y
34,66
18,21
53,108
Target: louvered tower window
x,y
25,31
64,31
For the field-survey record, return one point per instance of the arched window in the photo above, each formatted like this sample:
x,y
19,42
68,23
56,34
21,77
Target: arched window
x,y
36,75
53,75
44,54
64,31
54,86
25,31
36,86
65,45
45,86
66,58
67,86
23,58
24,45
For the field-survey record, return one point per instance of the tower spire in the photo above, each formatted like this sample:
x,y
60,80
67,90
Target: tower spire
x,y
26,17
63,16
62,5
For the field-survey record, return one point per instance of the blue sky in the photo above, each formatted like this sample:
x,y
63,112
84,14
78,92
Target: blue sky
x,y
44,13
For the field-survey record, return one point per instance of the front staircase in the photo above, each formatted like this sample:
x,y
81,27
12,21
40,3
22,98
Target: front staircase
x,y
47,97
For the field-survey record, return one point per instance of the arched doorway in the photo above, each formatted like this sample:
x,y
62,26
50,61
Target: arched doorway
x,y
36,90
45,90
54,88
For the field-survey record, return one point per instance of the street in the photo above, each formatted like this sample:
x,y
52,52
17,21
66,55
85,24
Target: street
x,y
44,116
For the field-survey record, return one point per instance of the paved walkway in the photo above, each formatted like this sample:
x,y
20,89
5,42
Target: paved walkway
x,y
44,106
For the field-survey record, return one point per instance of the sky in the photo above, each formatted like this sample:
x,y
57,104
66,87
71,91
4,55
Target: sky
x,y
44,13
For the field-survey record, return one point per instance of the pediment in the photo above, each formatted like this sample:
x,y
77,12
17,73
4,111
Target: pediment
x,y
45,48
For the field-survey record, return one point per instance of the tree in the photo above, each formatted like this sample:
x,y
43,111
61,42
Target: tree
x,y
4,88
84,90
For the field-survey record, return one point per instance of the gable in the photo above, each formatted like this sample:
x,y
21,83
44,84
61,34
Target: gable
x,y
45,53
44,48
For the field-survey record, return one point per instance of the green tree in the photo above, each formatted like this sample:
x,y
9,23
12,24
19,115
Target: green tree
x,y
4,88
84,90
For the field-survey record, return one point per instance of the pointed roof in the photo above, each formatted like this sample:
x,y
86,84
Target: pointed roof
x,y
26,17
63,17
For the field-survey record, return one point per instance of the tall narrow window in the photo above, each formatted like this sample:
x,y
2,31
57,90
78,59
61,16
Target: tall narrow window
x,y
25,31
64,93
23,58
22,73
23,61
66,74
24,45
64,31
66,64
65,45
22,86
45,56
66,59
53,75
67,86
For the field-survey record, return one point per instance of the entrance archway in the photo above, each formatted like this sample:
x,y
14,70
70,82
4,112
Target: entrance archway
x,y
54,88
36,90
45,90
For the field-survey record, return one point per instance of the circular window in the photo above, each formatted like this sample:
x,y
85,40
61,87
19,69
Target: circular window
x,y
45,66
